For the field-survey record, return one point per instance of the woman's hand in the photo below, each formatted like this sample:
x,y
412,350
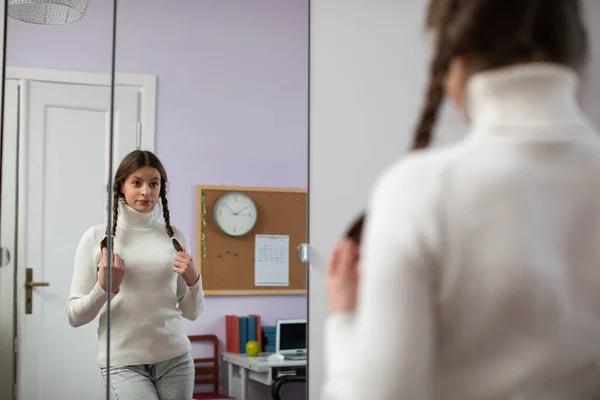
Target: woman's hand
x,y
342,277
116,274
184,266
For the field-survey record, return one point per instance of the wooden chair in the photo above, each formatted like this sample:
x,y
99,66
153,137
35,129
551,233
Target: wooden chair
x,y
207,370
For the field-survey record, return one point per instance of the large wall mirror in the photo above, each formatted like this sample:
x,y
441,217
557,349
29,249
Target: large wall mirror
x,y
224,107
104,100
212,96
56,147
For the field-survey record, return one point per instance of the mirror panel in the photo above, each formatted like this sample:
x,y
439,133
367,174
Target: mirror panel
x,y
231,111
56,136
7,243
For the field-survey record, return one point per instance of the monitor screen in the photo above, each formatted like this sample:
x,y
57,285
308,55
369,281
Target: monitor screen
x,y
292,336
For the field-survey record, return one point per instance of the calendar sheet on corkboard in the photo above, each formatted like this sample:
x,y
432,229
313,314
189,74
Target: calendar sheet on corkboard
x,y
234,265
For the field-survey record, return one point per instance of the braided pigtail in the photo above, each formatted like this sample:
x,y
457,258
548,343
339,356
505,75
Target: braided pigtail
x,y
116,198
167,217
438,70
115,212
435,96
356,229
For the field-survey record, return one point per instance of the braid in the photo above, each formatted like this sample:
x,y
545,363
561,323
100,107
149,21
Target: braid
x,y
116,197
435,91
356,229
435,95
167,216
115,212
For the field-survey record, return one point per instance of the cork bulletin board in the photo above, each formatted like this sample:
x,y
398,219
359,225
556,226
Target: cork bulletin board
x,y
227,263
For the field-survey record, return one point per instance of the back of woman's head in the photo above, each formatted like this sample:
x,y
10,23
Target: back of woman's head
x,y
492,34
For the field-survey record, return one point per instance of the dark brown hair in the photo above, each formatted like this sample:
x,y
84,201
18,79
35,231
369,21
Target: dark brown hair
x,y
498,33
355,231
132,162
494,34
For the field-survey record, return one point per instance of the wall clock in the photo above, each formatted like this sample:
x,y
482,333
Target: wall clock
x,y
235,213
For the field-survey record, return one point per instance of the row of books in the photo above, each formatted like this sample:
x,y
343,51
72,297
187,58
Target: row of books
x,y
239,330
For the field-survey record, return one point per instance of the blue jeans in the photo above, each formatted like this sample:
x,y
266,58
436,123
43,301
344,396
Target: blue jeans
x,y
167,380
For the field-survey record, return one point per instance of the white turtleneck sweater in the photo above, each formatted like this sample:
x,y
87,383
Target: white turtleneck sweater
x,y
145,325
480,268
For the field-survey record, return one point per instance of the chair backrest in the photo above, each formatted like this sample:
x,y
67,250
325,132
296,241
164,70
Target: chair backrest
x,y
207,369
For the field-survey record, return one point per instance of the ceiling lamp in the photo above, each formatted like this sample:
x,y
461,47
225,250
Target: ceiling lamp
x,y
47,12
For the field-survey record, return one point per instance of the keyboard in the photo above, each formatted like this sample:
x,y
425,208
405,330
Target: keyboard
x,y
296,358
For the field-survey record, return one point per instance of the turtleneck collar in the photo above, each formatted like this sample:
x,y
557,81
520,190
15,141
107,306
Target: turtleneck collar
x,y
524,95
132,218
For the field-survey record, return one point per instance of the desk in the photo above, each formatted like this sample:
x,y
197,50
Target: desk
x,y
241,367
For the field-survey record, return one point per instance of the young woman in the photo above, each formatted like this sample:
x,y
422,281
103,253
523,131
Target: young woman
x,y
480,262
154,283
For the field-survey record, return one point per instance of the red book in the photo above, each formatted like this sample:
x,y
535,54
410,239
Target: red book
x,y
232,332
258,330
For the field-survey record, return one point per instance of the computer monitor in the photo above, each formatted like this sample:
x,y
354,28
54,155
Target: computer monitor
x,y
290,337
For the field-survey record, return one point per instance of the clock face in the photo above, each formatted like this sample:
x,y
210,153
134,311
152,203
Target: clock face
x,y
235,213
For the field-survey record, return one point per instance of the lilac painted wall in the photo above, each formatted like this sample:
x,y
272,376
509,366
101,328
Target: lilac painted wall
x,y
231,105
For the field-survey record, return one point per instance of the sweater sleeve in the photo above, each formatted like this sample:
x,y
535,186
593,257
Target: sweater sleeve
x,y
86,297
386,350
190,298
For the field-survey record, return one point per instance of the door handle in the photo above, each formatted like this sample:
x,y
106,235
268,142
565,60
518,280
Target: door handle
x,y
4,256
302,252
29,285
37,284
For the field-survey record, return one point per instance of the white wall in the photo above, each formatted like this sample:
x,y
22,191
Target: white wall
x,y
368,69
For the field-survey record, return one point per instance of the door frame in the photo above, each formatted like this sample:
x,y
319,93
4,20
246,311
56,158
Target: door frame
x,y
13,282
144,84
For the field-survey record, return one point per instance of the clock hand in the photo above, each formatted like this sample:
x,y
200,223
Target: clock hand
x,y
237,213
230,209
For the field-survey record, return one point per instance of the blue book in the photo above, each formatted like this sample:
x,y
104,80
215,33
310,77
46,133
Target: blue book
x,y
243,334
269,330
270,334
252,328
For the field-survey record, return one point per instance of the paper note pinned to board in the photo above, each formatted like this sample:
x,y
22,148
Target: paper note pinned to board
x,y
272,260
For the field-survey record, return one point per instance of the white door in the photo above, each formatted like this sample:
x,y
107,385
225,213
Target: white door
x,y
63,167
